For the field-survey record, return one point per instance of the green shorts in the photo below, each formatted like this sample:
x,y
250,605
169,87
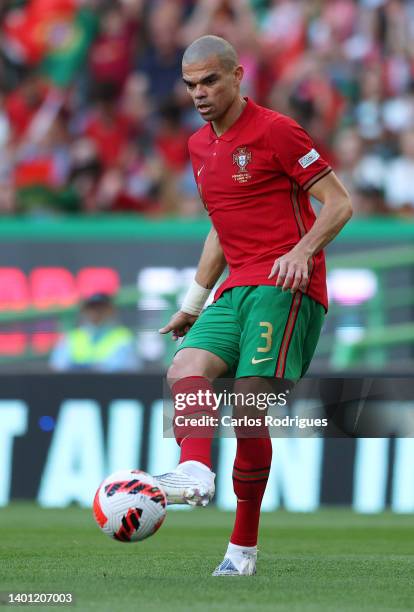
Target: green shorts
x,y
260,331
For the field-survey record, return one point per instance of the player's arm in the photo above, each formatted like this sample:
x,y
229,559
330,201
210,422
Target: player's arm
x,y
210,268
292,270
212,262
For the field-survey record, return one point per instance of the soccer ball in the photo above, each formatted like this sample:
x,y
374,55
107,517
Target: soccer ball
x,y
129,506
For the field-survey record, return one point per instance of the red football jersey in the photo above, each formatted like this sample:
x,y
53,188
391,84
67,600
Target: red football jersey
x,y
253,181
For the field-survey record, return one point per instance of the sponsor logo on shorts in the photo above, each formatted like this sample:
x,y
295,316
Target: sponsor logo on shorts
x,y
309,158
255,361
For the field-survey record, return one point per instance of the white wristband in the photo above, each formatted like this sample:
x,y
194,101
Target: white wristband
x,y
195,299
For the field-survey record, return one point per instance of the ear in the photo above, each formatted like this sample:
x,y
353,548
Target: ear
x,y
238,73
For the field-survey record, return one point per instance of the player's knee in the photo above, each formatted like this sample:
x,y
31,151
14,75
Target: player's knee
x,y
184,368
189,362
173,374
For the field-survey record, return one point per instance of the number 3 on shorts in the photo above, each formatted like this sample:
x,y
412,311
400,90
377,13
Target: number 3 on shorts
x,y
267,335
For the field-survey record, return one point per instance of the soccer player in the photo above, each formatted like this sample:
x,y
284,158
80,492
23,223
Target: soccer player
x,y
254,169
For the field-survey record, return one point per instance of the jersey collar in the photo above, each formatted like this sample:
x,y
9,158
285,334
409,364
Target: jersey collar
x,y
234,130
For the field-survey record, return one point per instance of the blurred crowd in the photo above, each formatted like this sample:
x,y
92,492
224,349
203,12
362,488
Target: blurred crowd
x,y
94,116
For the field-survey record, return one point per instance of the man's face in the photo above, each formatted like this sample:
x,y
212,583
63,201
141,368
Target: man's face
x,y
212,87
97,314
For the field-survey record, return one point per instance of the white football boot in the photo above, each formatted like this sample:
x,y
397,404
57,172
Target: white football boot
x,y
238,561
191,483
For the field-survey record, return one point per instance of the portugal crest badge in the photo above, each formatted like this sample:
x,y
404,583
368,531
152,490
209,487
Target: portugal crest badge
x,y
242,157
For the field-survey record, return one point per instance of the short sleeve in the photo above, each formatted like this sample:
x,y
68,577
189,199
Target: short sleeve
x,y
296,153
192,156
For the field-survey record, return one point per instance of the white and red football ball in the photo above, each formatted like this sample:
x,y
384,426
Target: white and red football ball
x,y
129,506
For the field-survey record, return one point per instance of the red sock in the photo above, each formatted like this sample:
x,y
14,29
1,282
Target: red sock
x,y
194,441
250,475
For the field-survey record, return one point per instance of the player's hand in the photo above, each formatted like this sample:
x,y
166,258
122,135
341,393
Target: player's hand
x,y
179,324
291,271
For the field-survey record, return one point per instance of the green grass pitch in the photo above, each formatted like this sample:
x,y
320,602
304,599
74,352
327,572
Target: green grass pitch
x,y
332,560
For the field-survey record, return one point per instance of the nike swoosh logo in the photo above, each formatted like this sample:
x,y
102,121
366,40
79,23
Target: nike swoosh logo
x,y
254,360
200,170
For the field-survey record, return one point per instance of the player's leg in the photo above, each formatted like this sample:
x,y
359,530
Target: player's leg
x,y
278,338
207,352
250,475
190,375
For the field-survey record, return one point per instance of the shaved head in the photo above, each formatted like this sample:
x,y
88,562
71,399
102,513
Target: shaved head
x,y
212,75
209,46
